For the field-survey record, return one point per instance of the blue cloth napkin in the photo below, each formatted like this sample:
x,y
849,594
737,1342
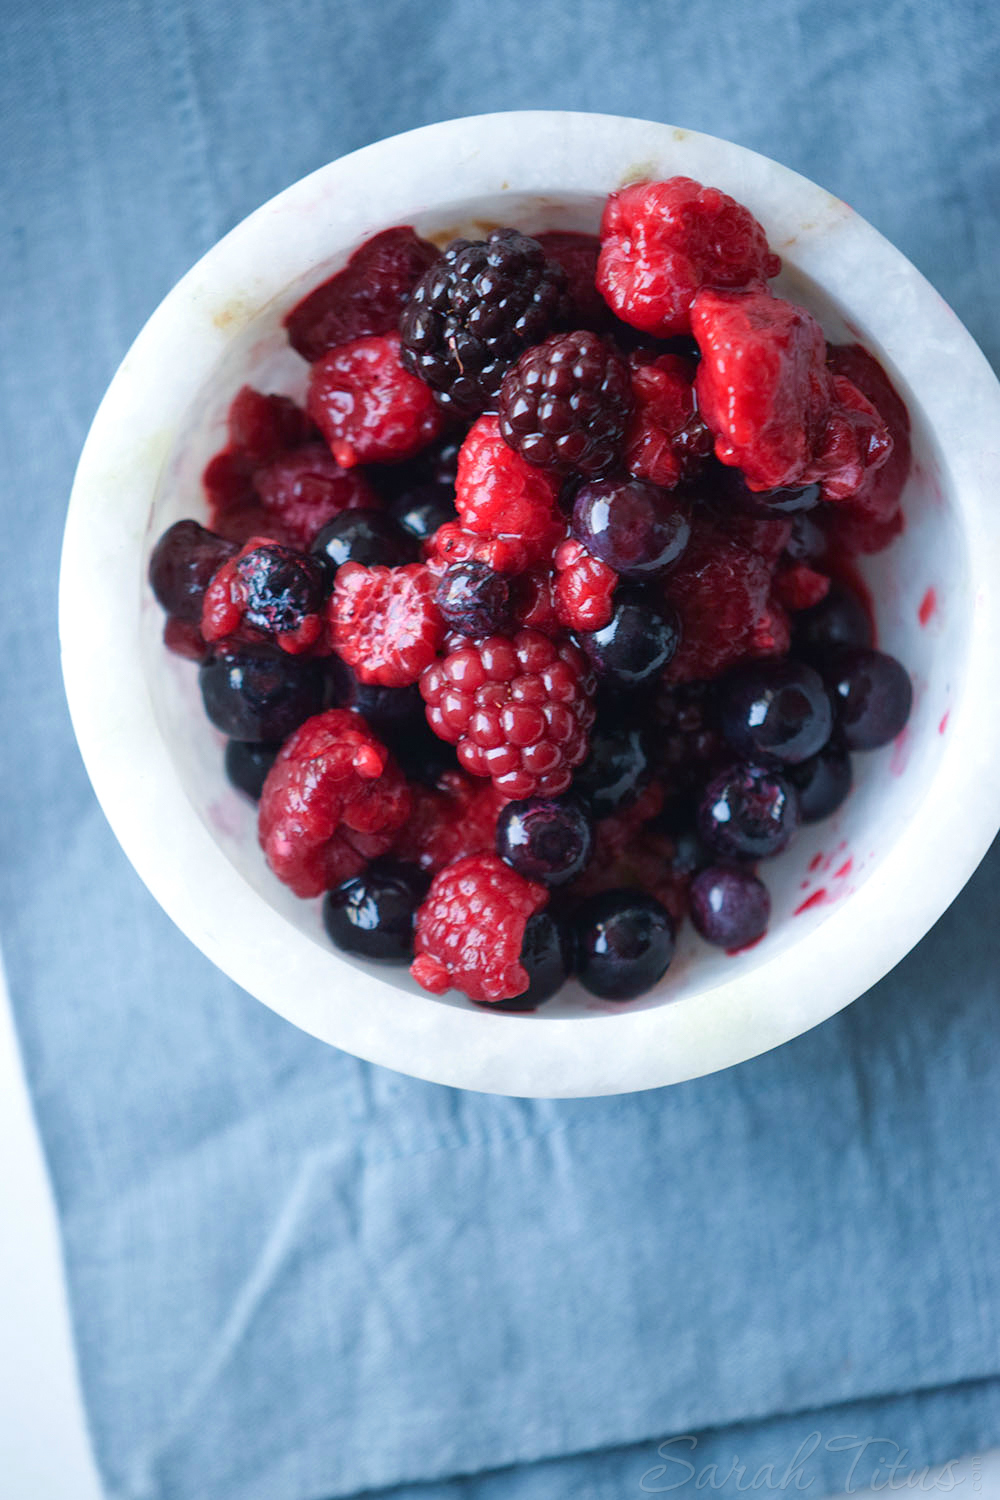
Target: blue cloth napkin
x,y
296,1276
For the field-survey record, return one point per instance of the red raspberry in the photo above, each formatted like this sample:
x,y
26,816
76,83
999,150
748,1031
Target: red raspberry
x,y
666,439
855,443
261,427
797,586
332,801
517,710
384,622
763,386
366,297
470,929
369,409
661,242
720,591
455,817
877,498
535,602
577,254
267,592
299,492
228,484
583,588
451,543
498,494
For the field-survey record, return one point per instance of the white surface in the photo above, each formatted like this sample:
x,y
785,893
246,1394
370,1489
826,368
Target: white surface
x,y
921,816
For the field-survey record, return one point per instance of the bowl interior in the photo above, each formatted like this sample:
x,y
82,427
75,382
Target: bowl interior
x,y
920,586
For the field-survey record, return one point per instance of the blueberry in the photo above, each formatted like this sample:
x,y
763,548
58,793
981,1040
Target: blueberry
x,y
260,694
624,943
775,710
364,536
730,908
546,955
282,587
247,765
182,566
748,811
872,696
422,509
615,771
475,600
691,853
373,914
637,642
385,708
545,839
838,620
733,489
822,782
636,528
419,752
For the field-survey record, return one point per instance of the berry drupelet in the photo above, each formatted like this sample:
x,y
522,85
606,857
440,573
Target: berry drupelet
x,y
565,405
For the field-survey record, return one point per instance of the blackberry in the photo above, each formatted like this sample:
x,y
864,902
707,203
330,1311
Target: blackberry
x,y
473,313
566,404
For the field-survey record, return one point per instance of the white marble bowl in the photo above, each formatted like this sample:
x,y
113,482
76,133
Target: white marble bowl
x,y
850,897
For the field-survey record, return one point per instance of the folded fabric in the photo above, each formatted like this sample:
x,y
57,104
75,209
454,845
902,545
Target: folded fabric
x,y
296,1276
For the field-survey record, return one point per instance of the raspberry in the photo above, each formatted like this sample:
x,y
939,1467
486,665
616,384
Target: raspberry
x,y
369,409
797,586
661,242
333,800
565,404
470,929
877,498
498,494
301,491
666,440
260,427
267,592
455,817
583,588
577,254
365,298
384,622
451,544
855,443
478,307
763,386
720,590
518,710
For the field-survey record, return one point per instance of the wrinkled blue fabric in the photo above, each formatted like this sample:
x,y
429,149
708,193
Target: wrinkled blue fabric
x,y
296,1276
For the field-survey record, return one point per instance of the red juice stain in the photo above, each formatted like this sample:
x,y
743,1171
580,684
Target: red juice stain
x,y
944,722
816,899
815,862
845,869
928,605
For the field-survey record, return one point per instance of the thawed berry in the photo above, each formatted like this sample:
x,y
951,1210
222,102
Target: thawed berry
x,y
838,620
247,765
364,536
499,494
373,914
748,812
822,782
182,565
421,509
584,587
730,908
624,943
637,642
368,407
686,744
384,622
775,710
666,440
577,254
262,426
386,709
475,311
474,600
260,694
638,529
733,489
544,839
366,297
566,403
615,771
302,491
267,590
872,696
546,957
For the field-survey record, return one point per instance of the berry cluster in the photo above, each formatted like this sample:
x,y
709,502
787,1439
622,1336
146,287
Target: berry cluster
x,y
530,633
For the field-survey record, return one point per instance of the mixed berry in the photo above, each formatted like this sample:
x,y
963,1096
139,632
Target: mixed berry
x,y
534,633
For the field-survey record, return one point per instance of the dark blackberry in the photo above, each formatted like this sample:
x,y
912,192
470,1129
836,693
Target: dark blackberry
x,y
566,403
475,600
475,311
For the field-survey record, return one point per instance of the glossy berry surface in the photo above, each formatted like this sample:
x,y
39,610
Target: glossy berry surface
x,y
364,536
247,765
584,587
637,642
373,914
543,839
615,771
872,696
775,711
366,297
470,929
182,565
302,491
666,440
499,494
384,623
748,812
840,619
421,509
368,407
259,694
624,943
636,528
822,782
475,600
546,959
565,405
729,908
477,308
270,592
